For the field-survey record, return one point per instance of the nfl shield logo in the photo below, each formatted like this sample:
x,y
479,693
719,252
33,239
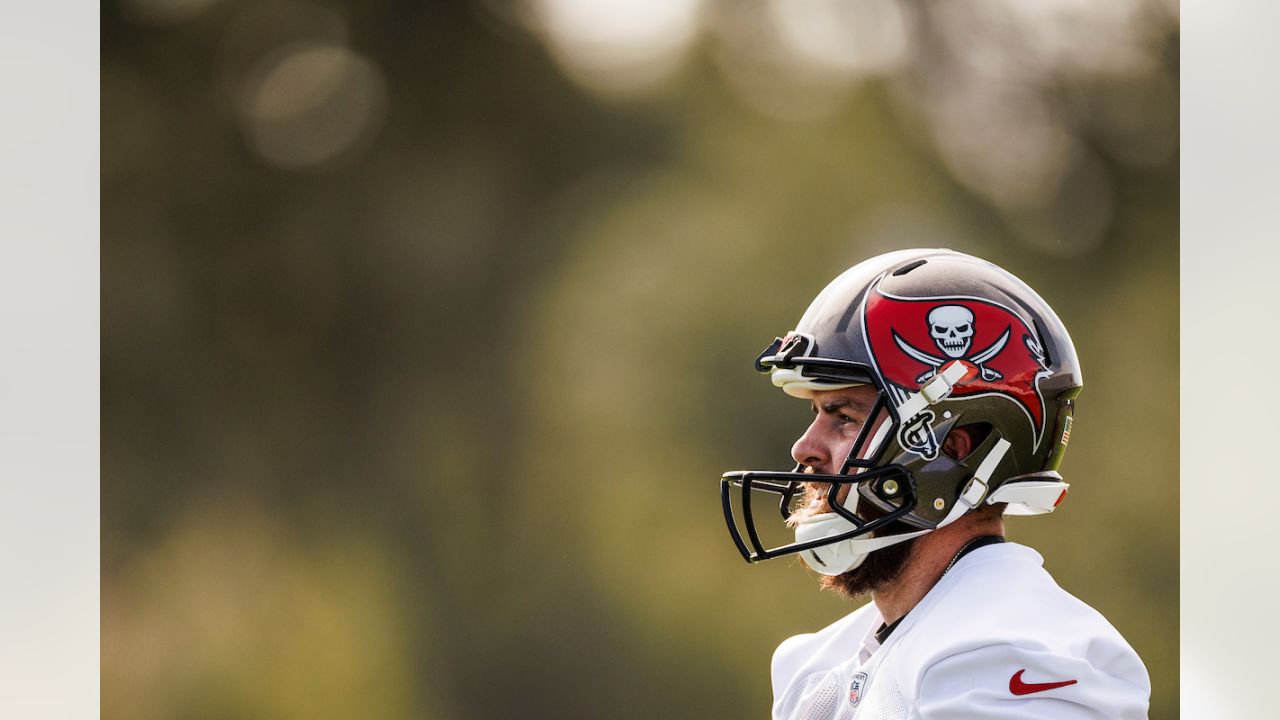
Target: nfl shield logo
x,y
856,687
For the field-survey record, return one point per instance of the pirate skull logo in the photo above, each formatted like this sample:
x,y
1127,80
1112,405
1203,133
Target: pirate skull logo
x,y
952,329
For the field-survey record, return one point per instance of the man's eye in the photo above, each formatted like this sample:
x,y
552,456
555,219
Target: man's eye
x,y
845,419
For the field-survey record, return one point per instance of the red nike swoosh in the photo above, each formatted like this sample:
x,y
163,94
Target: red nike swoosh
x,y
1017,687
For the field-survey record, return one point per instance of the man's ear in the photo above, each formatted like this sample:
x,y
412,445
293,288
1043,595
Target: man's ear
x,y
959,443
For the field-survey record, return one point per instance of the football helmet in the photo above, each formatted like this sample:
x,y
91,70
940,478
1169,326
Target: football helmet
x,y
947,340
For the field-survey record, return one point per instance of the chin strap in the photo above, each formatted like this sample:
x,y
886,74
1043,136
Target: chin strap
x,y
976,489
934,391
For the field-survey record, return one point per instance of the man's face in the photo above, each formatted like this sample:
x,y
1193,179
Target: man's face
x,y
839,415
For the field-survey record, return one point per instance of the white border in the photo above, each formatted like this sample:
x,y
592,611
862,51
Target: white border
x,y
49,270
1230,272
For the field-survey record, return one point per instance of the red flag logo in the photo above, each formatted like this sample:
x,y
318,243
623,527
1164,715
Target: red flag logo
x,y
911,339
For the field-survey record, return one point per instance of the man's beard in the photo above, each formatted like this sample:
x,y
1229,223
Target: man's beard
x,y
881,567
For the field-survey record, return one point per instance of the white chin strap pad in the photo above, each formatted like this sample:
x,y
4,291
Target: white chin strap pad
x,y
840,557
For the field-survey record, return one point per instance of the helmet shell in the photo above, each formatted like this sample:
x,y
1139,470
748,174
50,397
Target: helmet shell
x,y
905,315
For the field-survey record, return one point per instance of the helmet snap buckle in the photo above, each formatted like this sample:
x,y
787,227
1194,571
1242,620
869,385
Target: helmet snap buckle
x,y
939,387
974,491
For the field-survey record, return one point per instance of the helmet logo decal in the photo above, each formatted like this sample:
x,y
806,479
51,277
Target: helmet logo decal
x,y
951,327
911,339
918,437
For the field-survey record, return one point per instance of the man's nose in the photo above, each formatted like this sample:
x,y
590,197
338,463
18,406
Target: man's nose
x,y
810,451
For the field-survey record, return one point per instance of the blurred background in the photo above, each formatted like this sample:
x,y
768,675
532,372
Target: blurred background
x,y
427,328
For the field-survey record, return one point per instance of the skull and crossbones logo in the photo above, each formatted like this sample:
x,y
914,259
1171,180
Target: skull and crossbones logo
x,y
952,328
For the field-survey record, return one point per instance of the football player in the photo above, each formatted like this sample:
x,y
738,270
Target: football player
x,y
942,389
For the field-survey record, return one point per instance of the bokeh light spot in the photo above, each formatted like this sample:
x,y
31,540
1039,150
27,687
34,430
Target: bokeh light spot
x,y
617,46
859,37
310,104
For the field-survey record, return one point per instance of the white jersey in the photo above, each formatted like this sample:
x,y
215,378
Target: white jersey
x,y
995,638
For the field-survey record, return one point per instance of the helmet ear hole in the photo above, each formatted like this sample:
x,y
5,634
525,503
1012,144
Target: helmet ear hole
x,y
963,440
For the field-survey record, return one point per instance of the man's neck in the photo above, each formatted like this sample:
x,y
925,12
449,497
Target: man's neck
x,y
929,559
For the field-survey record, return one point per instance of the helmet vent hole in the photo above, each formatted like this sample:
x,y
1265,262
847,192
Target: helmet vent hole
x,y
908,267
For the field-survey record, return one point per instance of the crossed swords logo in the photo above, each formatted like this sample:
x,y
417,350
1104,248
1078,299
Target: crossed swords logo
x,y
952,329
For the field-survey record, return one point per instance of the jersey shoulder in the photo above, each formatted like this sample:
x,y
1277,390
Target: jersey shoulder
x,y
1000,625
1001,594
